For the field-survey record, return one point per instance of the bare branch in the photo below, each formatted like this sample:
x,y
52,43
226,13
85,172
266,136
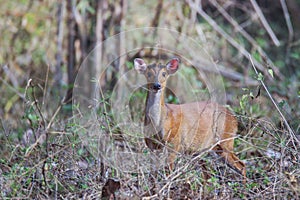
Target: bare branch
x,y
290,29
248,37
234,43
277,108
265,23
287,19
158,9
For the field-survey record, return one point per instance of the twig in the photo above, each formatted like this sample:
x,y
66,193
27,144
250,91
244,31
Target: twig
x,y
53,117
248,37
158,9
22,96
287,19
35,101
45,87
34,167
184,168
12,76
234,43
265,23
276,106
227,73
290,29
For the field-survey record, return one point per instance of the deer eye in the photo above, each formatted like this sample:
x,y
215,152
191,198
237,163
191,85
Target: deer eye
x,y
164,74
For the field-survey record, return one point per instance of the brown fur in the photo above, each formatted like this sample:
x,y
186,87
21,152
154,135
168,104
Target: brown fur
x,y
188,127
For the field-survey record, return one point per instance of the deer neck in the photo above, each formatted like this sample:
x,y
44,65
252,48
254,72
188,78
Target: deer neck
x,y
155,113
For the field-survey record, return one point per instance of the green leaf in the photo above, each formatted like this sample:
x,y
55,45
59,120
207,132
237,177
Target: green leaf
x,y
251,94
129,65
33,117
257,56
260,77
281,103
295,55
271,72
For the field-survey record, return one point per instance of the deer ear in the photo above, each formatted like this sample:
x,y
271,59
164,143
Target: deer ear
x,y
140,65
173,65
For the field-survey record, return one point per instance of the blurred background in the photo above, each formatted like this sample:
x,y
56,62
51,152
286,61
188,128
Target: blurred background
x,y
44,42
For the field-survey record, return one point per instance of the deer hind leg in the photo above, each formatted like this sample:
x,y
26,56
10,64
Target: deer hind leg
x,y
204,171
231,158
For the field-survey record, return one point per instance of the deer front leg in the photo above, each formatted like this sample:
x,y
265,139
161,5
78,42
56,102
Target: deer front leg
x,y
173,150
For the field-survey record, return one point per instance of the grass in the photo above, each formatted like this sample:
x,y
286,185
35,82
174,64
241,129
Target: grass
x,y
47,158
48,153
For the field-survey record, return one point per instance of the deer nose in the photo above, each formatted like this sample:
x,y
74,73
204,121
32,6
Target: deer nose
x,y
156,86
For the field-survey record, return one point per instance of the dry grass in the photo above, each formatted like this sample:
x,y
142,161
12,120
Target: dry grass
x,y
44,156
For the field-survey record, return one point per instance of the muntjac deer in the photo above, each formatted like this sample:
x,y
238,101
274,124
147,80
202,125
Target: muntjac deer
x,y
186,127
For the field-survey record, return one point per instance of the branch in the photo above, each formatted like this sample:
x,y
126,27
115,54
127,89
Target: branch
x,y
292,134
287,19
248,37
290,29
265,23
227,37
158,9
